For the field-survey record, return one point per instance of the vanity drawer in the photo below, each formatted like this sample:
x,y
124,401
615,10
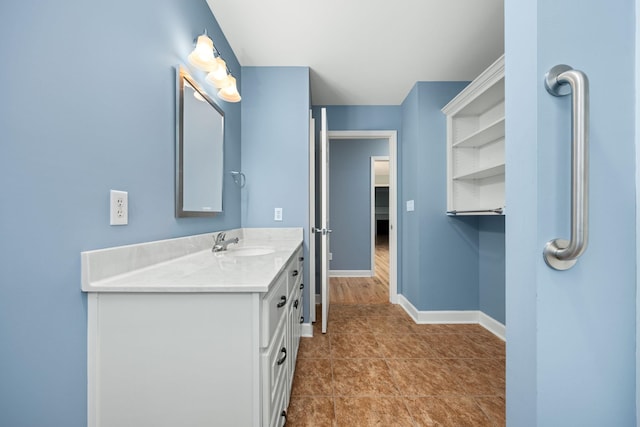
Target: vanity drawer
x,y
295,278
278,415
274,307
275,366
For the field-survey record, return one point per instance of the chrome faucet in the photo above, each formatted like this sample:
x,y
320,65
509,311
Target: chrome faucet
x,y
221,244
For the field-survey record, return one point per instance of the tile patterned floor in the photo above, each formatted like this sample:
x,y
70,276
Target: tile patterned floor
x,y
376,367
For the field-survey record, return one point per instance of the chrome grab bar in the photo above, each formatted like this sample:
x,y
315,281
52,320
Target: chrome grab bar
x,y
563,80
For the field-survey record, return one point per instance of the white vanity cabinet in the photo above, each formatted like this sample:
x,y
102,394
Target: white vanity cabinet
x,y
191,358
280,346
476,146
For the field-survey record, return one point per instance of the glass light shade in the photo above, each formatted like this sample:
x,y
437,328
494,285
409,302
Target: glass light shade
x,y
218,77
230,92
202,55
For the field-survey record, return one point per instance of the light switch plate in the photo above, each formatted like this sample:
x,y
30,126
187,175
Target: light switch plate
x,y
410,206
277,214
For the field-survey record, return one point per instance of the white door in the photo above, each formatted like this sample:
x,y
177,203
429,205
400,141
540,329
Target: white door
x,y
311,287
325,230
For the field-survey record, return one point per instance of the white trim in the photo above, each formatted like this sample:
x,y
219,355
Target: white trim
x,y
446,316
480,84
306,330
392,137
493,326
351,273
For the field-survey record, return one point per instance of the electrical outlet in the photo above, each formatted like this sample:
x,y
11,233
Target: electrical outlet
x,y
277,214
119,208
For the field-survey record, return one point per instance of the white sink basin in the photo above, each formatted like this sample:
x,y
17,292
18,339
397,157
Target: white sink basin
x,y
248,251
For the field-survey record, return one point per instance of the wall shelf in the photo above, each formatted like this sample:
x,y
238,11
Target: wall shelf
x,y
482,173
476,145
483,136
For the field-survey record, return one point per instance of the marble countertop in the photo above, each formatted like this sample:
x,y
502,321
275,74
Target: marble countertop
x,y
187,264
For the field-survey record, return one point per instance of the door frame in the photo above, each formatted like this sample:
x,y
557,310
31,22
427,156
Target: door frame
x,y
392,137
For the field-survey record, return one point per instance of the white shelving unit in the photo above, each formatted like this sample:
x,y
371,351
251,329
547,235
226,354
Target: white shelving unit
x,y
475,146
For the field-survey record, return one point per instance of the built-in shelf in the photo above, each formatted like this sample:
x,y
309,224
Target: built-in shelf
x,y
482,173
476,144
483,136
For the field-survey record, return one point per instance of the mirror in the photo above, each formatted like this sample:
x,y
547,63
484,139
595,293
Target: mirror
x,y
199,150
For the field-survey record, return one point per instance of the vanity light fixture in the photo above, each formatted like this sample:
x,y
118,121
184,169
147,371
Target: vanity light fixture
x,y
207,58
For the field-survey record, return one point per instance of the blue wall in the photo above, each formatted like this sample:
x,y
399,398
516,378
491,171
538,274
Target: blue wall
x,y
439,253
491,263
361,117
571,340
275,148
88,105
350,201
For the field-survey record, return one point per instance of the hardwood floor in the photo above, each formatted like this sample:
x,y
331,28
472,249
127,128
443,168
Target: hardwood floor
x,y
365,290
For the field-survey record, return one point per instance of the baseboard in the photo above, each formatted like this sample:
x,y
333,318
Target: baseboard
x,y
306,330
350,273
493,326
461,316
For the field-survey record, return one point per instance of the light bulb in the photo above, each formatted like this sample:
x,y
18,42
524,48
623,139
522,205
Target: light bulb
x,y
202,55
230,93
218,76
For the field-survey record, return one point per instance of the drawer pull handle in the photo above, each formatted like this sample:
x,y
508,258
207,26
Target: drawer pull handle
x,y
295,273
301,319
281,361
301,259
301,285
295,304
283,301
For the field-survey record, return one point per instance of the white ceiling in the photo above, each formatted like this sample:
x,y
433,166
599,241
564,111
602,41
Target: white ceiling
x,y
366,52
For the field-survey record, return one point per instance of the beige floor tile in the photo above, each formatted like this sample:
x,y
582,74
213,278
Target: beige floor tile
x,y
390,325
423,377
404,346
433,328
371,411
311,412
479,377
362,377
494,407
316,347
312,377
382,310
447,412
347,325
453,345
352,346
491,346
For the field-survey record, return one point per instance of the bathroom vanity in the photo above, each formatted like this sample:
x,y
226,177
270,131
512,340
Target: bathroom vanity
x,y
179,335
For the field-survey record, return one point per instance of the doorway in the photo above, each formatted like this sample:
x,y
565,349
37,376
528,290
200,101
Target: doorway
x,y
388,267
